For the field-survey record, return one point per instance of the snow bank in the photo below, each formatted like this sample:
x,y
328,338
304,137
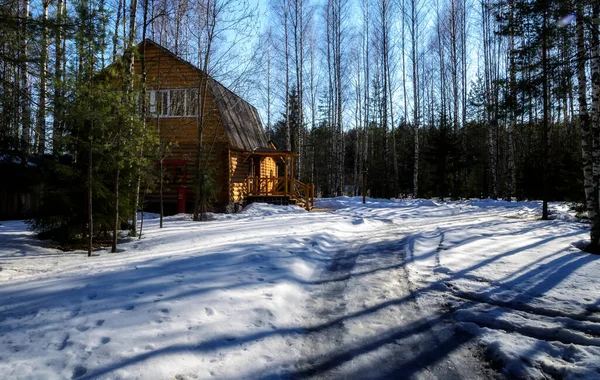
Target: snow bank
x,y
264,209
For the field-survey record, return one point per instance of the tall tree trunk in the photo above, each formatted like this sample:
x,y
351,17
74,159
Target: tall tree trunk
x,y
330,99
128,98
595,66
210,19
116,209
367,78
90,194
584,117
298,57
513,106
58,80
25,87
387,72
160,191
546,114
384,96
41,116
288,134
269,44
490,106
338,75
415,62
144,112
115,40
403,52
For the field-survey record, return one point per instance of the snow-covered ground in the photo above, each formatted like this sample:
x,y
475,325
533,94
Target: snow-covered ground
x,y
411,288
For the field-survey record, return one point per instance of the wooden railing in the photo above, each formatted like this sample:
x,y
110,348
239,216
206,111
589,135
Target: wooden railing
x,y
302,193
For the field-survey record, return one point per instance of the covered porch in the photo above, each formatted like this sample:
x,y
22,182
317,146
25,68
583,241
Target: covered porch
x,y
275,187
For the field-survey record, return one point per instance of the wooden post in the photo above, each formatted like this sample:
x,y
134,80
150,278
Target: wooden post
x,y
364,185
285,174
312,193
248,189
307,195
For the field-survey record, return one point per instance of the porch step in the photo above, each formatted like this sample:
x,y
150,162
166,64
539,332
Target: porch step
x,y
281,200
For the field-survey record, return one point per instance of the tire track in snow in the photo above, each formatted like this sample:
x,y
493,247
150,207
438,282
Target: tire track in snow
x,y
371,323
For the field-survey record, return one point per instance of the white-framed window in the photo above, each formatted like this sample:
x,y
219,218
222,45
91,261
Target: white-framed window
x,y
191,97
174,102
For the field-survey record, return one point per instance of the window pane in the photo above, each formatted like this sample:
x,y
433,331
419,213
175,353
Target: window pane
x,y
177,102
192,102
152,103
162,107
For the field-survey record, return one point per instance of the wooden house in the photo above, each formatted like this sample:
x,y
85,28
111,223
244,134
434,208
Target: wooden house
x,y
246,166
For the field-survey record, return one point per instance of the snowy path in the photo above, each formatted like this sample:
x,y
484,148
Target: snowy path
x,y
371,325
403,289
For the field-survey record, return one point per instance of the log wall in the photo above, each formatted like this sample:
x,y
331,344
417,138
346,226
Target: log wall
x,y
179,135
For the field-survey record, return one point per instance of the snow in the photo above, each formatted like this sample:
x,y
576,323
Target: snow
x,y
346,291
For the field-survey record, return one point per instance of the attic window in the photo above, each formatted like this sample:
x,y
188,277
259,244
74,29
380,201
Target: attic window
x,y
174,103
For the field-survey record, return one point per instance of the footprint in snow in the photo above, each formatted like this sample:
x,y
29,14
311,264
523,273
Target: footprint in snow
x,y
209,311
17,348
129,307
92,296
78,371
104,340
75,312
165,310
82,328
99,322
64,343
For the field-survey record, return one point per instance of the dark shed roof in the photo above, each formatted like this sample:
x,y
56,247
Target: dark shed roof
x,y
240,119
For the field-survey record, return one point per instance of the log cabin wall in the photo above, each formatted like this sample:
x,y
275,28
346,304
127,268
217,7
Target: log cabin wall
x,y
268,167
231,129
179,134
239,171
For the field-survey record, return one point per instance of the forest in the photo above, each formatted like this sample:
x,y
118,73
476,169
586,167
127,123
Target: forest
x,y
425,98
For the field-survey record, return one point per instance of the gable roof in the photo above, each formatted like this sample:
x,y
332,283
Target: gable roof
x,y
238,117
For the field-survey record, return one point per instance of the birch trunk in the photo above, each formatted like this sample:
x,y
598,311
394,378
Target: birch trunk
x,y
25,89
90,194
513,114
584,117
144,108
288,136
595,66
546,112
128,97
41,116
59,58
415,62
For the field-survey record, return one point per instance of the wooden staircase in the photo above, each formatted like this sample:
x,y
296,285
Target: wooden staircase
x,y
280,191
